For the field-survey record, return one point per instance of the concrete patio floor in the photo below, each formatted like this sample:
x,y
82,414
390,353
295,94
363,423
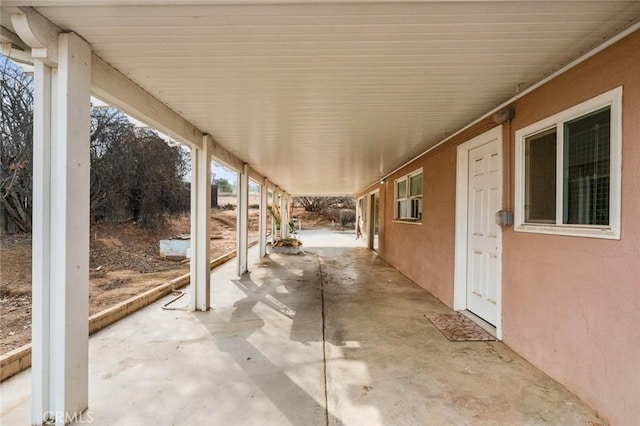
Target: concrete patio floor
x,y
335,336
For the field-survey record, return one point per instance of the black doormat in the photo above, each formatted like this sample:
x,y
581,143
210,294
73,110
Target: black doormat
x,y
458,328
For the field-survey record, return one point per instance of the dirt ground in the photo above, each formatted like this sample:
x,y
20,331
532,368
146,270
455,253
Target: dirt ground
x,y
124,261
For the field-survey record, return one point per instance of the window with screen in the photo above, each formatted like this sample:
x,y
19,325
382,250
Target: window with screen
x,y
568,170
408,197
587,169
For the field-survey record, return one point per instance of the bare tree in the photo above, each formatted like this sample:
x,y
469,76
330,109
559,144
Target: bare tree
x,y
107,125
134,173
323,204
313,204
16,150
157,184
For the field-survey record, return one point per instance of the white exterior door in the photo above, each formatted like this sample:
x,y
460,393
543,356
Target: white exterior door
x,y
483,201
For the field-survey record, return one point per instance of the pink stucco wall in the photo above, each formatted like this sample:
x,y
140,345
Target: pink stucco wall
x,y
425,252
571,305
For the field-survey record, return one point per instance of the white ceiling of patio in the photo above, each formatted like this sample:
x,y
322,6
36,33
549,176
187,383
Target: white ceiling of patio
x,y
325,98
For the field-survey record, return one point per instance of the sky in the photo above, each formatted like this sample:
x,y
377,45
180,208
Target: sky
x,y
223,173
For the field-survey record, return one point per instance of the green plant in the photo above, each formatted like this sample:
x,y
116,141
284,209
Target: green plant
x,y
275,214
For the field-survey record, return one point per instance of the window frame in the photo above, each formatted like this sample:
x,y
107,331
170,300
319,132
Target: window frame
x,y
611,99
407,179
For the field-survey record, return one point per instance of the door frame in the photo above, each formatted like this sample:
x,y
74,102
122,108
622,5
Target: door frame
x,y
361,216
372,215
462,210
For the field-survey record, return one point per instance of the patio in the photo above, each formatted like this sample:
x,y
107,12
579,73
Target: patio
x,y
334,336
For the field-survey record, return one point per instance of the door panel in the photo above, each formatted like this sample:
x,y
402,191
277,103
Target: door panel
x,y
482,241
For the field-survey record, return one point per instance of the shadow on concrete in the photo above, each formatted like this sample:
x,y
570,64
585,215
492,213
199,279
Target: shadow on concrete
x,y
295,297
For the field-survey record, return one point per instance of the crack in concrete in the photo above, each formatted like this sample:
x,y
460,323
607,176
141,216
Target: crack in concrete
x,y
324,342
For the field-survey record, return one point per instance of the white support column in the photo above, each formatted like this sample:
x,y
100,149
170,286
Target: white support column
x,y
289,216
41,231
287,198
61,233
200,226
264,200
275,233
284,217
243,220
70,228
